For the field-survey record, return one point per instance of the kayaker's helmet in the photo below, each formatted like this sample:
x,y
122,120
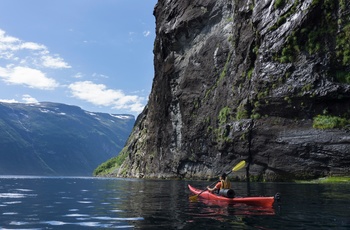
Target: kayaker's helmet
x,y
223,176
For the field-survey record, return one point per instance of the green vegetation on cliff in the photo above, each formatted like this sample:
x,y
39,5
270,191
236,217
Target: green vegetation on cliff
x,y
329,122
328,180
112,164
314,38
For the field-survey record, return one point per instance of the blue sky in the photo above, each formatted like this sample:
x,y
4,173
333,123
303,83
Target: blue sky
x,y
96,54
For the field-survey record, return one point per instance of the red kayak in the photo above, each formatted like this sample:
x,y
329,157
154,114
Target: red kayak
x,y
255,201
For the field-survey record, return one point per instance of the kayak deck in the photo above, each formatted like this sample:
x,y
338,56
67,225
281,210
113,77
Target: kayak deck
x,y
254,201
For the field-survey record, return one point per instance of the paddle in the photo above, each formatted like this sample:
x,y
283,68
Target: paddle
x,y
236,168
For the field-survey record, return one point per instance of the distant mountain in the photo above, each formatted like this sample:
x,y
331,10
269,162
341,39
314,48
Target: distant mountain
x,y
58,139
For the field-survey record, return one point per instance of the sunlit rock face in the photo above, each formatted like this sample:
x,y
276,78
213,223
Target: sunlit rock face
x,y
241,80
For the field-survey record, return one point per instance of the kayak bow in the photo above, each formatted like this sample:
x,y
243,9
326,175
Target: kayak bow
x,y
254,201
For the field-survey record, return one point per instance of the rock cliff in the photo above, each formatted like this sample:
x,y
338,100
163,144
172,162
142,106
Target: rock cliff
x,y
246,80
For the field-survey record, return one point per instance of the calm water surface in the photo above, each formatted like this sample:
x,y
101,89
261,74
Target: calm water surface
x,y
95,203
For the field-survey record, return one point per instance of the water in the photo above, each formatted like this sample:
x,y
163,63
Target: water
x,y
95,203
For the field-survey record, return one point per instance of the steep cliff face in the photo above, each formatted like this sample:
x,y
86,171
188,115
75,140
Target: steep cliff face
x,y
245,80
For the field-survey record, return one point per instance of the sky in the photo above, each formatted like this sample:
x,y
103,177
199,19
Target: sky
x,y
95,54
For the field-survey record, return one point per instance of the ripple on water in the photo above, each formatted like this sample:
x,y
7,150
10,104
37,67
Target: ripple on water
x,y
84,202
10,213
116,210
118,218
85,224
76,215
91,224
12,202
18,223
12,195
54,223
73,210
24,190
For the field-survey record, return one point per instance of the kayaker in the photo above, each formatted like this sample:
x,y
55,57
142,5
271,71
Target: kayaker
x,y
224,183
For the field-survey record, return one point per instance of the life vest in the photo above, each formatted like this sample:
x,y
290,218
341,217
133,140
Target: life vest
x,y
225,184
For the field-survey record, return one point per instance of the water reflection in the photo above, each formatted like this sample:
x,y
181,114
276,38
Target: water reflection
x,y
165,204
223,208
79,203
64,203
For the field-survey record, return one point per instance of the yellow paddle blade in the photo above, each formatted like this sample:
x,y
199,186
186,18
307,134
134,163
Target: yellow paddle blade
x,y
239,166
194,198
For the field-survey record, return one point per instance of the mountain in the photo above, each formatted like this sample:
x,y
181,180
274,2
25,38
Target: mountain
x,y
58,139
263,81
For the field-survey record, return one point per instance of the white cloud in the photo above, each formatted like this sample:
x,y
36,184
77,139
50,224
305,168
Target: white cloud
x,y
8,101
29,77
54,62
32,46
7,39
16,50
9,43
29,99
78,75
98,94
146,33
25,97
96,75
24,63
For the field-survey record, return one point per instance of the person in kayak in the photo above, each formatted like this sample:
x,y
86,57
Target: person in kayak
x,y
224,183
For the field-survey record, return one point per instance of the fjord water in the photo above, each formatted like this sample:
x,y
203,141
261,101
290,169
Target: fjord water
x,y
101,203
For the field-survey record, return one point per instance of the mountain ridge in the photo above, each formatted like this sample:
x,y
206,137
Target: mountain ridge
x,y
56,139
